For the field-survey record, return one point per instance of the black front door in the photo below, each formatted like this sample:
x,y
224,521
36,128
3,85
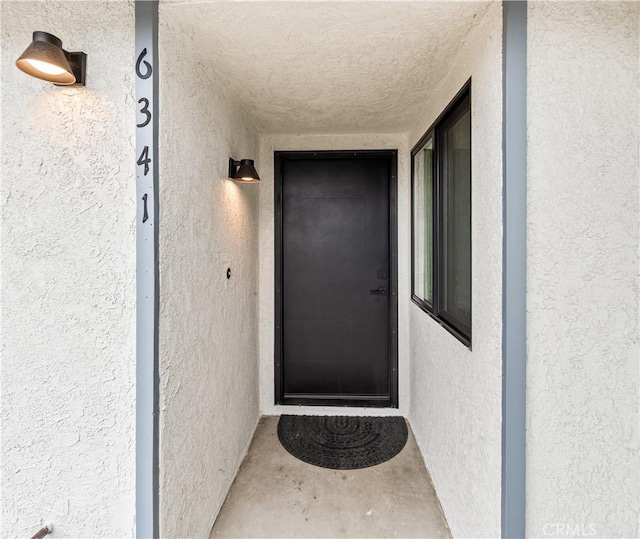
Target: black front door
x,y
335,289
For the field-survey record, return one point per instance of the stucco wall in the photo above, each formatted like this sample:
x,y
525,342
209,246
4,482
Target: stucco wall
x,y
270,144
582,269
456,392
208,324
68,278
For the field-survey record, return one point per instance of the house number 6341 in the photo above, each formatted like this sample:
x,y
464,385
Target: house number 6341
x,y
144,160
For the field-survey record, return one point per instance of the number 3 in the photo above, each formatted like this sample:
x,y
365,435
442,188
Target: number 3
x,y
144,110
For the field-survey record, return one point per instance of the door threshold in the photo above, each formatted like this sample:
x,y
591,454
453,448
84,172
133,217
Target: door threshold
x,y
364,401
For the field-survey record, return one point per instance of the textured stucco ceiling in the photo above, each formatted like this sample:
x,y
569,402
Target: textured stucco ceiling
x,y
325,67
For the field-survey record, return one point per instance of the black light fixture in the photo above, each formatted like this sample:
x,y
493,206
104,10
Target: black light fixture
x,y
243,171
46,59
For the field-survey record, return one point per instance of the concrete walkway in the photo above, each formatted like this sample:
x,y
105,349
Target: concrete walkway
x,y
276,495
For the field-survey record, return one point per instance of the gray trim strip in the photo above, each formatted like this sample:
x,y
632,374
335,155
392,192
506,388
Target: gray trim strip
x,y
147,269
514,264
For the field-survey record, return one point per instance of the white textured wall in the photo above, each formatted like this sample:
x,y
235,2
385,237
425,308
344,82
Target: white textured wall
x,y
455,392
582,269
68,278
273,143
208,324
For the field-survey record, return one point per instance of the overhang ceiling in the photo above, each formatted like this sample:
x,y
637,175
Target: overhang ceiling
x,y
326,67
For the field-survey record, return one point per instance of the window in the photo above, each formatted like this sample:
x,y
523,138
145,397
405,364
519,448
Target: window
x,y
441,218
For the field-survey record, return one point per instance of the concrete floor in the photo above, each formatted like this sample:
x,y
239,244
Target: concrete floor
x,y
277,495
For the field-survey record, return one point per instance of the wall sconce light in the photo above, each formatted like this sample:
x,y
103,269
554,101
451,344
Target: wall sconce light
x,y
243,171
46,59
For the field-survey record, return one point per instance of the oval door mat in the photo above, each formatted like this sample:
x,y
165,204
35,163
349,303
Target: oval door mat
x,y
340,442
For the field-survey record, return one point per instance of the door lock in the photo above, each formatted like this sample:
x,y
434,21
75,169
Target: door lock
x,y
382,291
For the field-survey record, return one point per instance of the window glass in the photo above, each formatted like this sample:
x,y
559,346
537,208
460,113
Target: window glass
x,y
423,222
456,220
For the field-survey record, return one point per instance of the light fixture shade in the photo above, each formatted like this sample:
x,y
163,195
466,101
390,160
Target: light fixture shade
x,y
45,59
246,171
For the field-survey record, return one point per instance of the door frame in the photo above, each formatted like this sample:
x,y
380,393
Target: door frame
x,y
279,158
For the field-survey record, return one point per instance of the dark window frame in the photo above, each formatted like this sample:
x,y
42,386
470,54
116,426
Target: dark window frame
x,y
452,111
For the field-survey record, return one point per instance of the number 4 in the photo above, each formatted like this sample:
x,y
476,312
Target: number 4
x,y
144,159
